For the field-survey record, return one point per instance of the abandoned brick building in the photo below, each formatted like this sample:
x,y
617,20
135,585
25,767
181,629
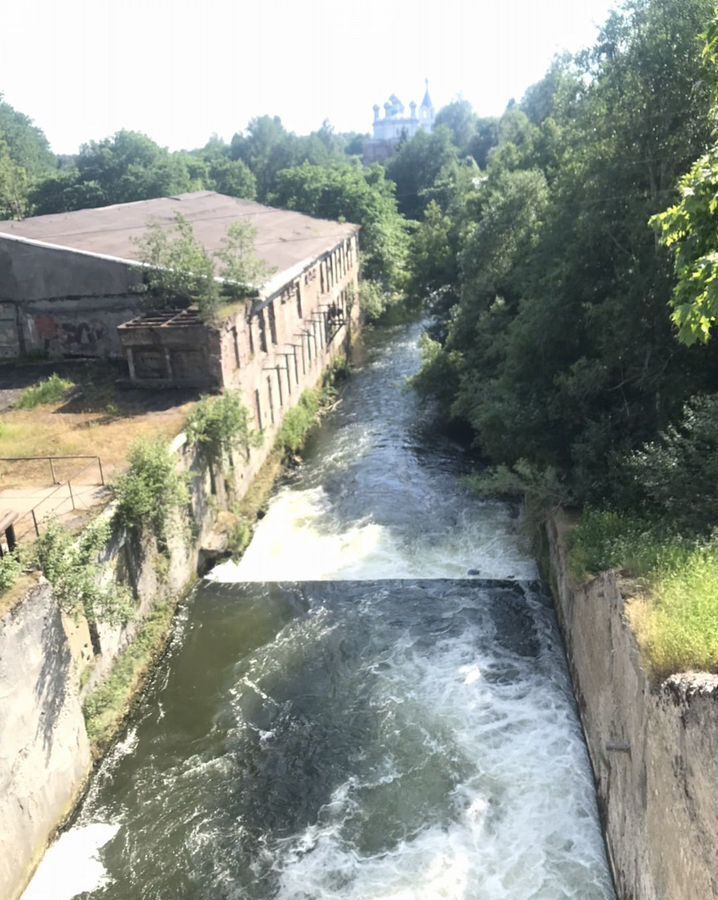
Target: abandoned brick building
x,y
71,284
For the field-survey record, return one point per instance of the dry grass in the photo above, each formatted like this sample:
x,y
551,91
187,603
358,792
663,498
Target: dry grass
x,y
51,431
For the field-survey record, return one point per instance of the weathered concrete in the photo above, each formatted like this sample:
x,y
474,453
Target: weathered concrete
x,y
63,303
44,751
654,749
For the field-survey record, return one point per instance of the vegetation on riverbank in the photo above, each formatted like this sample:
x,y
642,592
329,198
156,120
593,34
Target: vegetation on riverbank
x,y
560,246
109,704
672,586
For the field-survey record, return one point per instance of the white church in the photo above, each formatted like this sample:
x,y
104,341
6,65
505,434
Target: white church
x,y
395,125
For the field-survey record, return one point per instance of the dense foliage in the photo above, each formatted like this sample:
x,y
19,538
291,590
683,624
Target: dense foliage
x,y
348,192
556,344
49,390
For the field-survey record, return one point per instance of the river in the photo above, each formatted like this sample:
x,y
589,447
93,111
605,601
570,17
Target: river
x,y
373,703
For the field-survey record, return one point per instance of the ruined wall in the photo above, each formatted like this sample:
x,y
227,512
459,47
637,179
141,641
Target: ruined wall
x,y
284,346
61,301
654,748
44,751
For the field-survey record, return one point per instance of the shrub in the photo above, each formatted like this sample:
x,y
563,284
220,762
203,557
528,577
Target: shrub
x,y
374,300
540,488
51,390
151,490
240,537
71,566
179,270
438,375
677,475
219,424
10,569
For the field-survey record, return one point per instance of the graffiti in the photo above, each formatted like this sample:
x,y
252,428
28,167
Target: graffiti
x,y
46,327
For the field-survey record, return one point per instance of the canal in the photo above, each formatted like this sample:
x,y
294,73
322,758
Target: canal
x,y
373,703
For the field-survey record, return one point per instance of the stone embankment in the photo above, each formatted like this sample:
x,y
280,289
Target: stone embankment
x,y
654,747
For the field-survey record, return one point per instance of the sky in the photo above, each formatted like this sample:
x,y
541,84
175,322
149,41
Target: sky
x,y
182,70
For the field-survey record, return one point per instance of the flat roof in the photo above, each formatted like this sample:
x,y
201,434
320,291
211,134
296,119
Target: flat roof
x,y
284,239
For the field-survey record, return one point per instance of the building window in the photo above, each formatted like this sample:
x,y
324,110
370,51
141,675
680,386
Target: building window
x,y
271,398
258,409
250,333
262,331
299,299
272,322
235,341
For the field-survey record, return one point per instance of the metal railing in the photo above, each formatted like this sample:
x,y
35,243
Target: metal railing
x,y
51,460
31,520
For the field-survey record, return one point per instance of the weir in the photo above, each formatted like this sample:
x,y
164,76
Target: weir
x,y
345,713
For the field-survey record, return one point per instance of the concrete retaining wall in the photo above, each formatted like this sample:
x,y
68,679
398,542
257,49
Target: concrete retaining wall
x,y
654,748
44,751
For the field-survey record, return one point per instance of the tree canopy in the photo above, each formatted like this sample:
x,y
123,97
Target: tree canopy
x,y
348,192
558,346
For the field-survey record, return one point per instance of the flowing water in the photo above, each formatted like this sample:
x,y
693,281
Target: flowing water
x,y
372,704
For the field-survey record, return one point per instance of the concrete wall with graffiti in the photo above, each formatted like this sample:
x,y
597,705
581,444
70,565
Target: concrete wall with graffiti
x,y
63,302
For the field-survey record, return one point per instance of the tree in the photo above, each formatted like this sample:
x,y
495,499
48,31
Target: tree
x,y
26,144
180,271
126,167
13,186
416,165
351,193
689,229
461,120
232,177
559,344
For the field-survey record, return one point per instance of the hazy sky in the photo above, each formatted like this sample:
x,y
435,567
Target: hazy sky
x,y
180,70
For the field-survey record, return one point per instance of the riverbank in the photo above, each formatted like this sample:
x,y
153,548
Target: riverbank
x,y
653,745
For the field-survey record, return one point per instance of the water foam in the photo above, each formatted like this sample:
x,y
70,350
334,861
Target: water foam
x,y
509,832
300,539
71,865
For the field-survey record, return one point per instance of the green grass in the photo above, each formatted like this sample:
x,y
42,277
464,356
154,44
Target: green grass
x,y
51,390
110,703
675,615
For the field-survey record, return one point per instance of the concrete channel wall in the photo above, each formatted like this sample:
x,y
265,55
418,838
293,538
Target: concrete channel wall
x,y
47,663
654,747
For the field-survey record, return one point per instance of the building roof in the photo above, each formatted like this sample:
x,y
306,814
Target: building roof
x,y
284,239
